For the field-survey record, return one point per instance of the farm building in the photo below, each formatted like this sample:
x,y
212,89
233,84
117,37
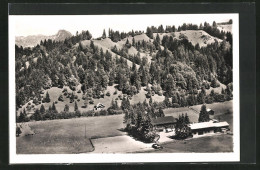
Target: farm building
x,y
99,106
161,123
211,127
211,112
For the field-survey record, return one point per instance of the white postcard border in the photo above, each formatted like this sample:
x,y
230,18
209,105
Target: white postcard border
x,y
117,158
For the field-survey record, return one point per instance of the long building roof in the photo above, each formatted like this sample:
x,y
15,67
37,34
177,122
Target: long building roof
x,y
203,125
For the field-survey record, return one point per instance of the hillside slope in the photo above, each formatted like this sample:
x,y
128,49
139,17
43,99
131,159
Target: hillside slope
x,y
225,28
104,45
193,36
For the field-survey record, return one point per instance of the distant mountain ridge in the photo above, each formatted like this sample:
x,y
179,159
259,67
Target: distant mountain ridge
x,y
33,40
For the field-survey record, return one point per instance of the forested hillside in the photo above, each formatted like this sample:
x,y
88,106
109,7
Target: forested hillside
x,y
162,61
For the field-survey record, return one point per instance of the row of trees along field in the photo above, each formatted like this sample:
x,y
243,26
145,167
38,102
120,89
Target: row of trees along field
x,y
178,68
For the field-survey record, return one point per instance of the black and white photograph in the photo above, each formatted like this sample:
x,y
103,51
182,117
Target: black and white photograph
x,y
124,88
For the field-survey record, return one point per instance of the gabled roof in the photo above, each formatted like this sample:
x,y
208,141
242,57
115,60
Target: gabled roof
x,y
203,125
163,120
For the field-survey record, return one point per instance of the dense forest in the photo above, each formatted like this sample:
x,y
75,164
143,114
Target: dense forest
x,y
178,70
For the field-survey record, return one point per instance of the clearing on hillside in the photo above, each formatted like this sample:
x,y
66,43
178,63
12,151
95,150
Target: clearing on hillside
x,y
194,36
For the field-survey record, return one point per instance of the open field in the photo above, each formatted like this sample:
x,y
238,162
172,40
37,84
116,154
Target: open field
x,y
175,112
223,111
207,144
119,144
68,136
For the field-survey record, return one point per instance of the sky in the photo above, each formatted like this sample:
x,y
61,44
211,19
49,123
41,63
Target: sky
x,y
51,24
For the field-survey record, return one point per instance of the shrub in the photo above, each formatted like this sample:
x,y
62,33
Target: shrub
x,y
79,91
175,105
115,92
103,112
18,131
209,100
214,83
56,102
78,100
61,98
149,137
65,90
195,91
72,88
114,112
35,101
97,114
219,97
108,93
77,113
91,102
88,113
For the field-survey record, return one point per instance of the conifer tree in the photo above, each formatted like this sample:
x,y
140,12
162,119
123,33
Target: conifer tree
x,y
149,32
42,109
104,34
161,113
204,115
53,108
37,115
133,42
47,98
22,116
66,108
151,101
182,130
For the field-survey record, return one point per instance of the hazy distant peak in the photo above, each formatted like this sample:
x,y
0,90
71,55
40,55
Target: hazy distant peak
x,y
33,40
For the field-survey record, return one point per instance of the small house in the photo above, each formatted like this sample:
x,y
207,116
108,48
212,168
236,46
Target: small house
x,y
211,112
161,123
211,127
99,106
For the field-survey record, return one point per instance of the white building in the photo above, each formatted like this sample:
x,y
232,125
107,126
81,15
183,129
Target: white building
x,y
204,128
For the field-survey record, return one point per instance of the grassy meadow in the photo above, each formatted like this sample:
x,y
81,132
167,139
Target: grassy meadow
x,y
68,135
